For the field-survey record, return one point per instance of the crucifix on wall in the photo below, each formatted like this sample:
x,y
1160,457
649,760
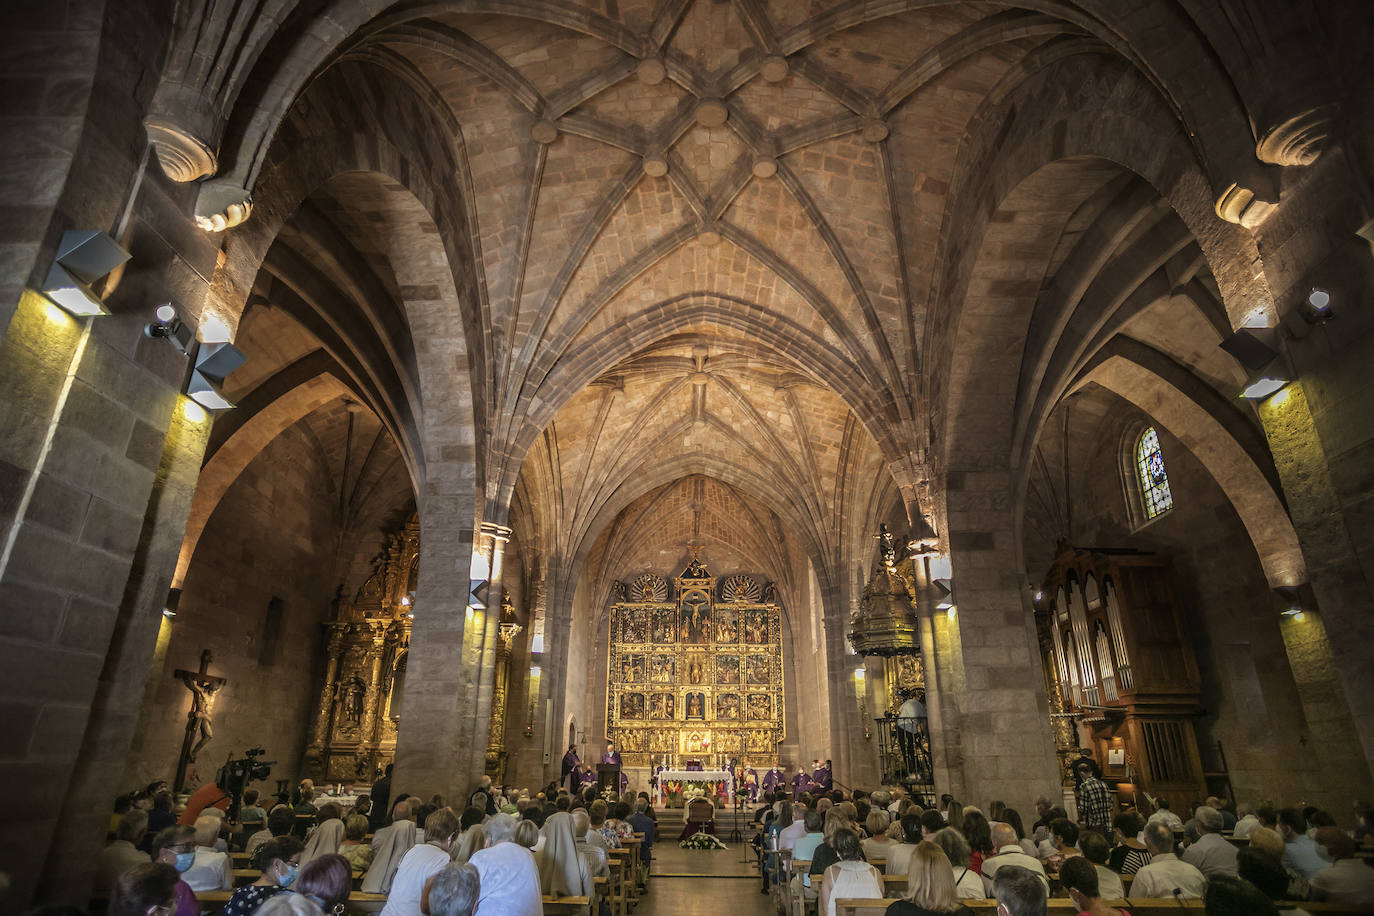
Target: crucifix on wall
x,y
199,721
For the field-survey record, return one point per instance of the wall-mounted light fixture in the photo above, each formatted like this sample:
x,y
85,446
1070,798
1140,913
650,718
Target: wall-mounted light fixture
x,y
83,257
946,588
173,602
213,363
171,328
1257,350
1294,601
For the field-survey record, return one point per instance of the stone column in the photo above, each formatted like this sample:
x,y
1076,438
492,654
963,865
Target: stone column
x,y
1002,712
1328,538
434,738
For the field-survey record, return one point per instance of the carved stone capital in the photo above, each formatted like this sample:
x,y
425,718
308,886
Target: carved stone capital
x,y
182,155
222,205
1298,139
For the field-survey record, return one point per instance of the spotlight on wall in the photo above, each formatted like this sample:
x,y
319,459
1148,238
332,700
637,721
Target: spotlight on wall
x,y
170,328
83,257
1260,385
1253,348
946,587
1257,350
1316,307
1294,601
214,363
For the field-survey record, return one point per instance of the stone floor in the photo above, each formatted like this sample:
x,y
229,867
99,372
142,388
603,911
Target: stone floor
x,y
695,882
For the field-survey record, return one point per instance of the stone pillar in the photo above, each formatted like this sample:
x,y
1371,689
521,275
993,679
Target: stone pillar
x,y
434,737
1327,536
1003,716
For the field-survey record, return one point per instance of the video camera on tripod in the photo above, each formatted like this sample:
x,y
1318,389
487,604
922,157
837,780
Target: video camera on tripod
x,y
235,776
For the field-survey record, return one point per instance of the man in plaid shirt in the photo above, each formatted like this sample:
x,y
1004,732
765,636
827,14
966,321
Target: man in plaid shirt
x,y
1094,801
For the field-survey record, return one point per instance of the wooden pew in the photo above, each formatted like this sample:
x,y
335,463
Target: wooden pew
x,y
1062,906
358,902
1058,906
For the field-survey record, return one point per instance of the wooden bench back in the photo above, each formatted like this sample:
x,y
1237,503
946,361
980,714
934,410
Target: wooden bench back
x,y
1062,906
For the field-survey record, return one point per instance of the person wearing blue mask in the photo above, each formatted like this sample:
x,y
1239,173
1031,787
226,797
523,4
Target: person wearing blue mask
x,y
176,846
280,861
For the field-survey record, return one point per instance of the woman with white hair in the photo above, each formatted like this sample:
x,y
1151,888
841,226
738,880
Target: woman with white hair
x,y
562,870
510,879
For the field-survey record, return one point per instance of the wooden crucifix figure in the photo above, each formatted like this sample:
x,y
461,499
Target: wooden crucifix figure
x,y
199,725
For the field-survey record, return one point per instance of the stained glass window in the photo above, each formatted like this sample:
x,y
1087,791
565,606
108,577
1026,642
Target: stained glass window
x,y
1154,481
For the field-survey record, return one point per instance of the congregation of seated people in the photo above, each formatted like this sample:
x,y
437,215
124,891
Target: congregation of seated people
x,y
503,852
500,852
1250,859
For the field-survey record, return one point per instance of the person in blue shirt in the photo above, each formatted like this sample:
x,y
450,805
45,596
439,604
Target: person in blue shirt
x,y
1300,851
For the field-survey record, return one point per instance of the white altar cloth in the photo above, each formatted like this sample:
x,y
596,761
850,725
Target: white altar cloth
x,y
699,776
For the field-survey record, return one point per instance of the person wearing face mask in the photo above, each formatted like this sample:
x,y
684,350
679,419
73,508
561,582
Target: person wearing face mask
x,y
421,864
280,860
211,869
176,846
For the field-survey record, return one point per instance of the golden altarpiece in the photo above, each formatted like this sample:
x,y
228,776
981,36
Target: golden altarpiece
x,y
367,646
695,670
1119,658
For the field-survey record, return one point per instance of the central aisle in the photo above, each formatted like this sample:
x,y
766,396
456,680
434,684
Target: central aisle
x,y
688,882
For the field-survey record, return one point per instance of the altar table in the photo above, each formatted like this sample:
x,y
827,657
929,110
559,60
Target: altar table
x,y
704,778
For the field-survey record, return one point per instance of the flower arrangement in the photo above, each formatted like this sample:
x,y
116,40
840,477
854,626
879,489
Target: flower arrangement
x,y
702,840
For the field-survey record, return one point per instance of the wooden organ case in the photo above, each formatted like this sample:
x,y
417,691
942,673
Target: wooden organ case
x,y
1119,658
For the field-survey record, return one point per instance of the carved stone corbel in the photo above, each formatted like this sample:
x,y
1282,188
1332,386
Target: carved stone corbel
x,y
183,156
222,205
1248,200
1298,139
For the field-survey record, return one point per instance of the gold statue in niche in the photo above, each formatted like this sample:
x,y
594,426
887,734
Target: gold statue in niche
x,y
694,669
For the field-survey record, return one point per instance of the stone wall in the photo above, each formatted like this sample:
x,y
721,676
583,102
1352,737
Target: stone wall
x,y
255,594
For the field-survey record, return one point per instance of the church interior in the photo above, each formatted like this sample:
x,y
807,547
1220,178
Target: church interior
x,y
449,386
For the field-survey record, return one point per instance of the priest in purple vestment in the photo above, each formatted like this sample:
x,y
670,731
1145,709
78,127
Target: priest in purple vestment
x,y
613,756
800,783
773,779
821,779
570,762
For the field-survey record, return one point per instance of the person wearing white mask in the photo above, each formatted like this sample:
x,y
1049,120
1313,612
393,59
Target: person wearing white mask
x,y
280,861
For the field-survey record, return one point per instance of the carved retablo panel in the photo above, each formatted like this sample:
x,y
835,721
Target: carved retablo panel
x,y
695,670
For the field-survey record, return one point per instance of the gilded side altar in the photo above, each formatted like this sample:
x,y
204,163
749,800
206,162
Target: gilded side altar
x,y
367,644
